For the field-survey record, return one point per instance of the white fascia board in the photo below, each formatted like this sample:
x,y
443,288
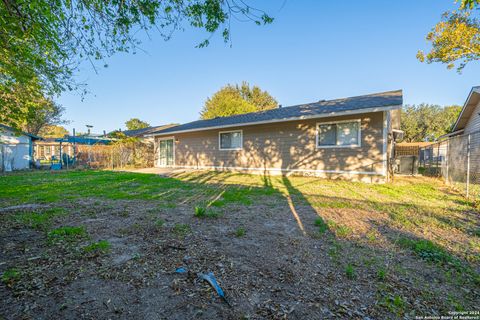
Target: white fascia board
x,y
316,116
472,91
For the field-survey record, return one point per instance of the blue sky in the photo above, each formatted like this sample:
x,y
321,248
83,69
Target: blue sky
x,y
314,50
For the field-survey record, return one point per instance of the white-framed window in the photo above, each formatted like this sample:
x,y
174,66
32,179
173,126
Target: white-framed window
x,y
339,134
230,140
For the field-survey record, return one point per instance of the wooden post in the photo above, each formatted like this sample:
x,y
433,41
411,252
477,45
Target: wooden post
x,y
468,166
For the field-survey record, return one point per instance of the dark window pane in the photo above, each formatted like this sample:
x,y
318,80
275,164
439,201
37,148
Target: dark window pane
x,y
327,134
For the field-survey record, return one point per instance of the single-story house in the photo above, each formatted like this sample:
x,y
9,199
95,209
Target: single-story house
x,y
349,137
47,148
16,149
469,119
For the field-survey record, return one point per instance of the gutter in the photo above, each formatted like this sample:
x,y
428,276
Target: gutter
x,y
316,116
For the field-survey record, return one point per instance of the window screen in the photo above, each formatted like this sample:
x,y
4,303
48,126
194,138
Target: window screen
x,y
339,134
347,133
231,140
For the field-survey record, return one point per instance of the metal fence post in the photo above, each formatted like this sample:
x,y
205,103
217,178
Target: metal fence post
x,y
447,156
468,165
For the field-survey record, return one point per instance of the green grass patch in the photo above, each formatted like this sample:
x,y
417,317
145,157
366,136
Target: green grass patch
x,y
41,220
428,250
100,246
395,304
340,230
202,212
371,236
66,233
240,195
322,226
381,273
350,271
182,229
10,276
159,223
240,232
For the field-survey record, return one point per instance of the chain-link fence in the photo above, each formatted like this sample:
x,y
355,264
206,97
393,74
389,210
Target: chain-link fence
x,y
115,155
119,154
457,160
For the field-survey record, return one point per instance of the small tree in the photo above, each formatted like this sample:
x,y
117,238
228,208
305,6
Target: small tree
x,y
135,123
53,131
235,99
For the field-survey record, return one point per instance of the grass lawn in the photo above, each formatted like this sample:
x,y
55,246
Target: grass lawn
x,y
100,244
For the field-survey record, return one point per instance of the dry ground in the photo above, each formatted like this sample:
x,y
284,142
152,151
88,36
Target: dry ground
x,y
98,245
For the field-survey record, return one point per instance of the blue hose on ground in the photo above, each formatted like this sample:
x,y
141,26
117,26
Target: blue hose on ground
x,y
210,278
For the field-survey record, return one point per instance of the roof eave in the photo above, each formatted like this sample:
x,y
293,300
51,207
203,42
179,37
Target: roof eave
x,y
316,116
472,91
453,133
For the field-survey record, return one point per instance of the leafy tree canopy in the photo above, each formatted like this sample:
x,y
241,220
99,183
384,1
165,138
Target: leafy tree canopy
x,y
427,122
43,42
28,109
456,38
235,99
135,123
53,131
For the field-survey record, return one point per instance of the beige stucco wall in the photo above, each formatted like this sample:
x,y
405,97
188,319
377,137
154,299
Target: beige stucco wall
x,y
286,147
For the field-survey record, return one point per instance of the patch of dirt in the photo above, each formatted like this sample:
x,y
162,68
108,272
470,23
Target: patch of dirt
x,y
273,271
30,206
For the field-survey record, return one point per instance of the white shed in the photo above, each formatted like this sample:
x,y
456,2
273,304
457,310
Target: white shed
x,y
16,149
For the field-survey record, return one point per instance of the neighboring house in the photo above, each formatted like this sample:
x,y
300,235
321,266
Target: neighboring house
x,y
16,149
47,148
144,133
469,119
348,137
